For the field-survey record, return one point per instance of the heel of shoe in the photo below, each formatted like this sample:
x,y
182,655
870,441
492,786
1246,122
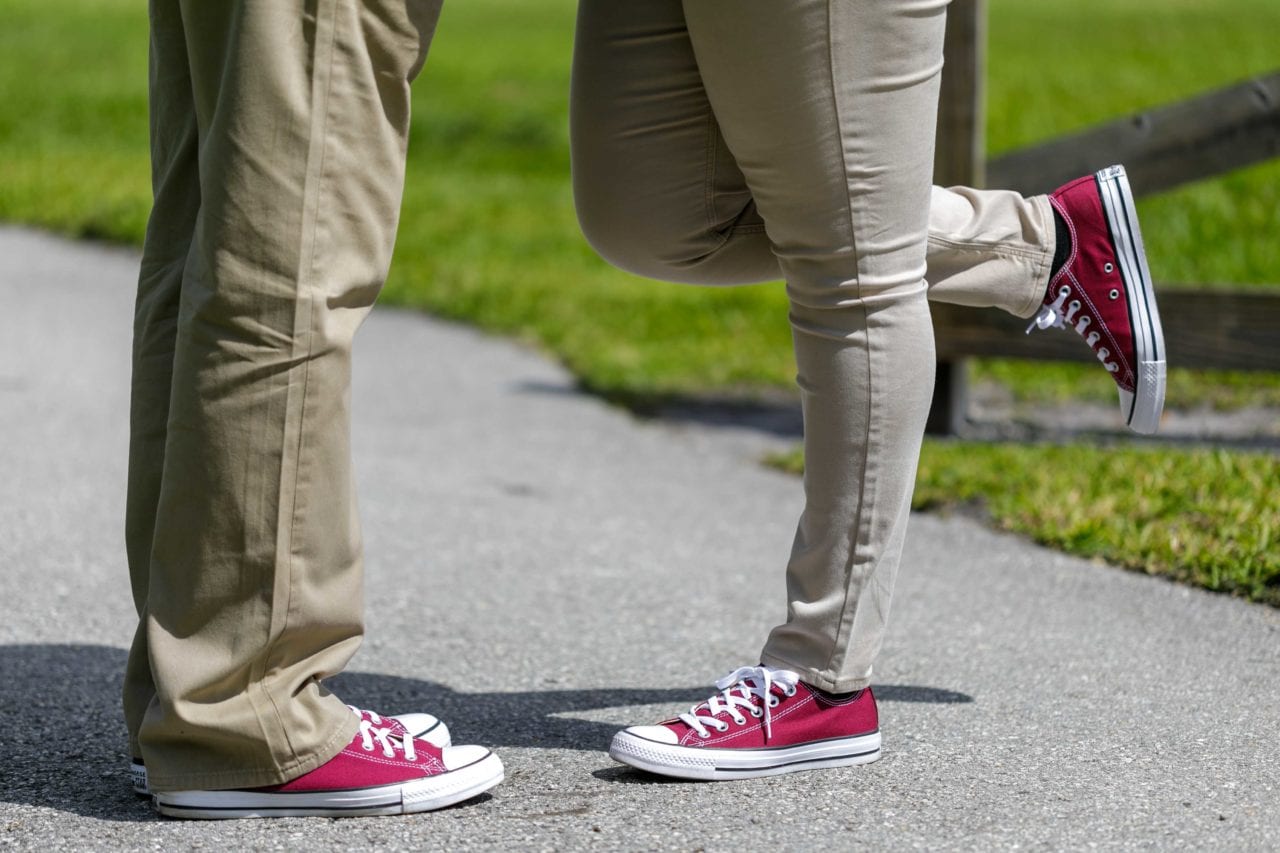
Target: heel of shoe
x,y
1148,402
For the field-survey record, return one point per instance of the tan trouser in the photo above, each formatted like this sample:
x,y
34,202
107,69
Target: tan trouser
x,y
278,143
733,141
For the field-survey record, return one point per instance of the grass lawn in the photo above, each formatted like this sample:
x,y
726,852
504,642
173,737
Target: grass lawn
x,y
1200,516
488,234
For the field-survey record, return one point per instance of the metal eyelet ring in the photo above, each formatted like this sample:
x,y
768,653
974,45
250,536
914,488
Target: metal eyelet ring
x,y
1114,294
757,713
704,735
1065,290
773,701
790,692
1108,267
722,728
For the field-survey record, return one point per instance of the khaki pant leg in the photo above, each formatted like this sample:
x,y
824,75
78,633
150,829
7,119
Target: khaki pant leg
x,y
660,194
176,187
815,119
253,588
829,110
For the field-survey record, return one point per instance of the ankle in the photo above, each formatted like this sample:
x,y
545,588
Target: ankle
x,y
1062,246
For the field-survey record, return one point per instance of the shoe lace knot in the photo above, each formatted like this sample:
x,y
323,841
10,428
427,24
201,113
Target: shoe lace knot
x,y
1061,313
391,740
749,689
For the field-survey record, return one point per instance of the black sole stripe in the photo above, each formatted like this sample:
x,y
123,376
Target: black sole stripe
x,y
1108,215
281,808
1121,214
794,763
1148,294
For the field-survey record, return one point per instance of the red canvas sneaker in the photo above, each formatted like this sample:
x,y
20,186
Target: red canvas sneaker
x,y
421,726
763,722
1103,291
382,771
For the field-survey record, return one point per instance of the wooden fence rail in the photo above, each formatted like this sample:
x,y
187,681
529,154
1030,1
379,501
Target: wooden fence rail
x,y
1161,148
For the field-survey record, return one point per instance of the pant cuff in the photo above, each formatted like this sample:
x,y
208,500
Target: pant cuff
x,y
257,777
1039,284
816,678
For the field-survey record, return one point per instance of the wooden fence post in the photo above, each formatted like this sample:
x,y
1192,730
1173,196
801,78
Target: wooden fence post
x,y
960,160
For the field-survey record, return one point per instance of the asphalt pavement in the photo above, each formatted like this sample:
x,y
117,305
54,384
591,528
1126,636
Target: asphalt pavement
x,y
543,568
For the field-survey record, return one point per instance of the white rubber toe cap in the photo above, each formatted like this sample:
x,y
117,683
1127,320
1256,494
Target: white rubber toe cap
x,y
456,757
661,734
425,727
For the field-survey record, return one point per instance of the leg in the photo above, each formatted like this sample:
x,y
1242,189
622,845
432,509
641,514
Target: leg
x,y
829,110
253,578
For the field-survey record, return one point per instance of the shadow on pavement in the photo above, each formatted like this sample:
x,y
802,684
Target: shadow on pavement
x,y
66,749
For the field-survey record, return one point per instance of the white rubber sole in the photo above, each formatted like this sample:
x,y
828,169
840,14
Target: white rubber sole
x,y
420,795
716,765
1143,408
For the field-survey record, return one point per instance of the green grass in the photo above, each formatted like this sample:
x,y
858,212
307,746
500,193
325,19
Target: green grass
x,y
1198,516
488,234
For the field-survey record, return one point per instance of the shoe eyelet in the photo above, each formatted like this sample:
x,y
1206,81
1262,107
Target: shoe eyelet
x,y
1108,267
1065,290
722,728
1114,294
757,713
368,748
789,692
773,701
704,735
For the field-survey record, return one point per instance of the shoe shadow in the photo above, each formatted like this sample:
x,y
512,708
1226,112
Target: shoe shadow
x,y
61,704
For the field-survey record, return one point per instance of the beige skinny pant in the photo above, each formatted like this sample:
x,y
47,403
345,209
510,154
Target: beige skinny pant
x,y
278,132
736,141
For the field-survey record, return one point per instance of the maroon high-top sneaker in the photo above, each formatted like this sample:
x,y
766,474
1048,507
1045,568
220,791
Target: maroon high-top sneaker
x,y
1103,291
763,722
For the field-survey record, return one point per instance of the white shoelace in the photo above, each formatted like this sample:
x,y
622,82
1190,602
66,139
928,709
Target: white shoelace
x,y
1045,318
390,741
749,688
1060,314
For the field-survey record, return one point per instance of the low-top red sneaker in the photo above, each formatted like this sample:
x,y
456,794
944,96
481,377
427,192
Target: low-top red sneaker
x,y
382,771
763,722
1104,292
421,726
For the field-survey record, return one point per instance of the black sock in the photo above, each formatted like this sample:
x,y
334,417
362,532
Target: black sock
x,y
1062,250
835,697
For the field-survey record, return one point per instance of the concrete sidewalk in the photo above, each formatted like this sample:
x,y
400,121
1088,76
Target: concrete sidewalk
x,y
543,569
